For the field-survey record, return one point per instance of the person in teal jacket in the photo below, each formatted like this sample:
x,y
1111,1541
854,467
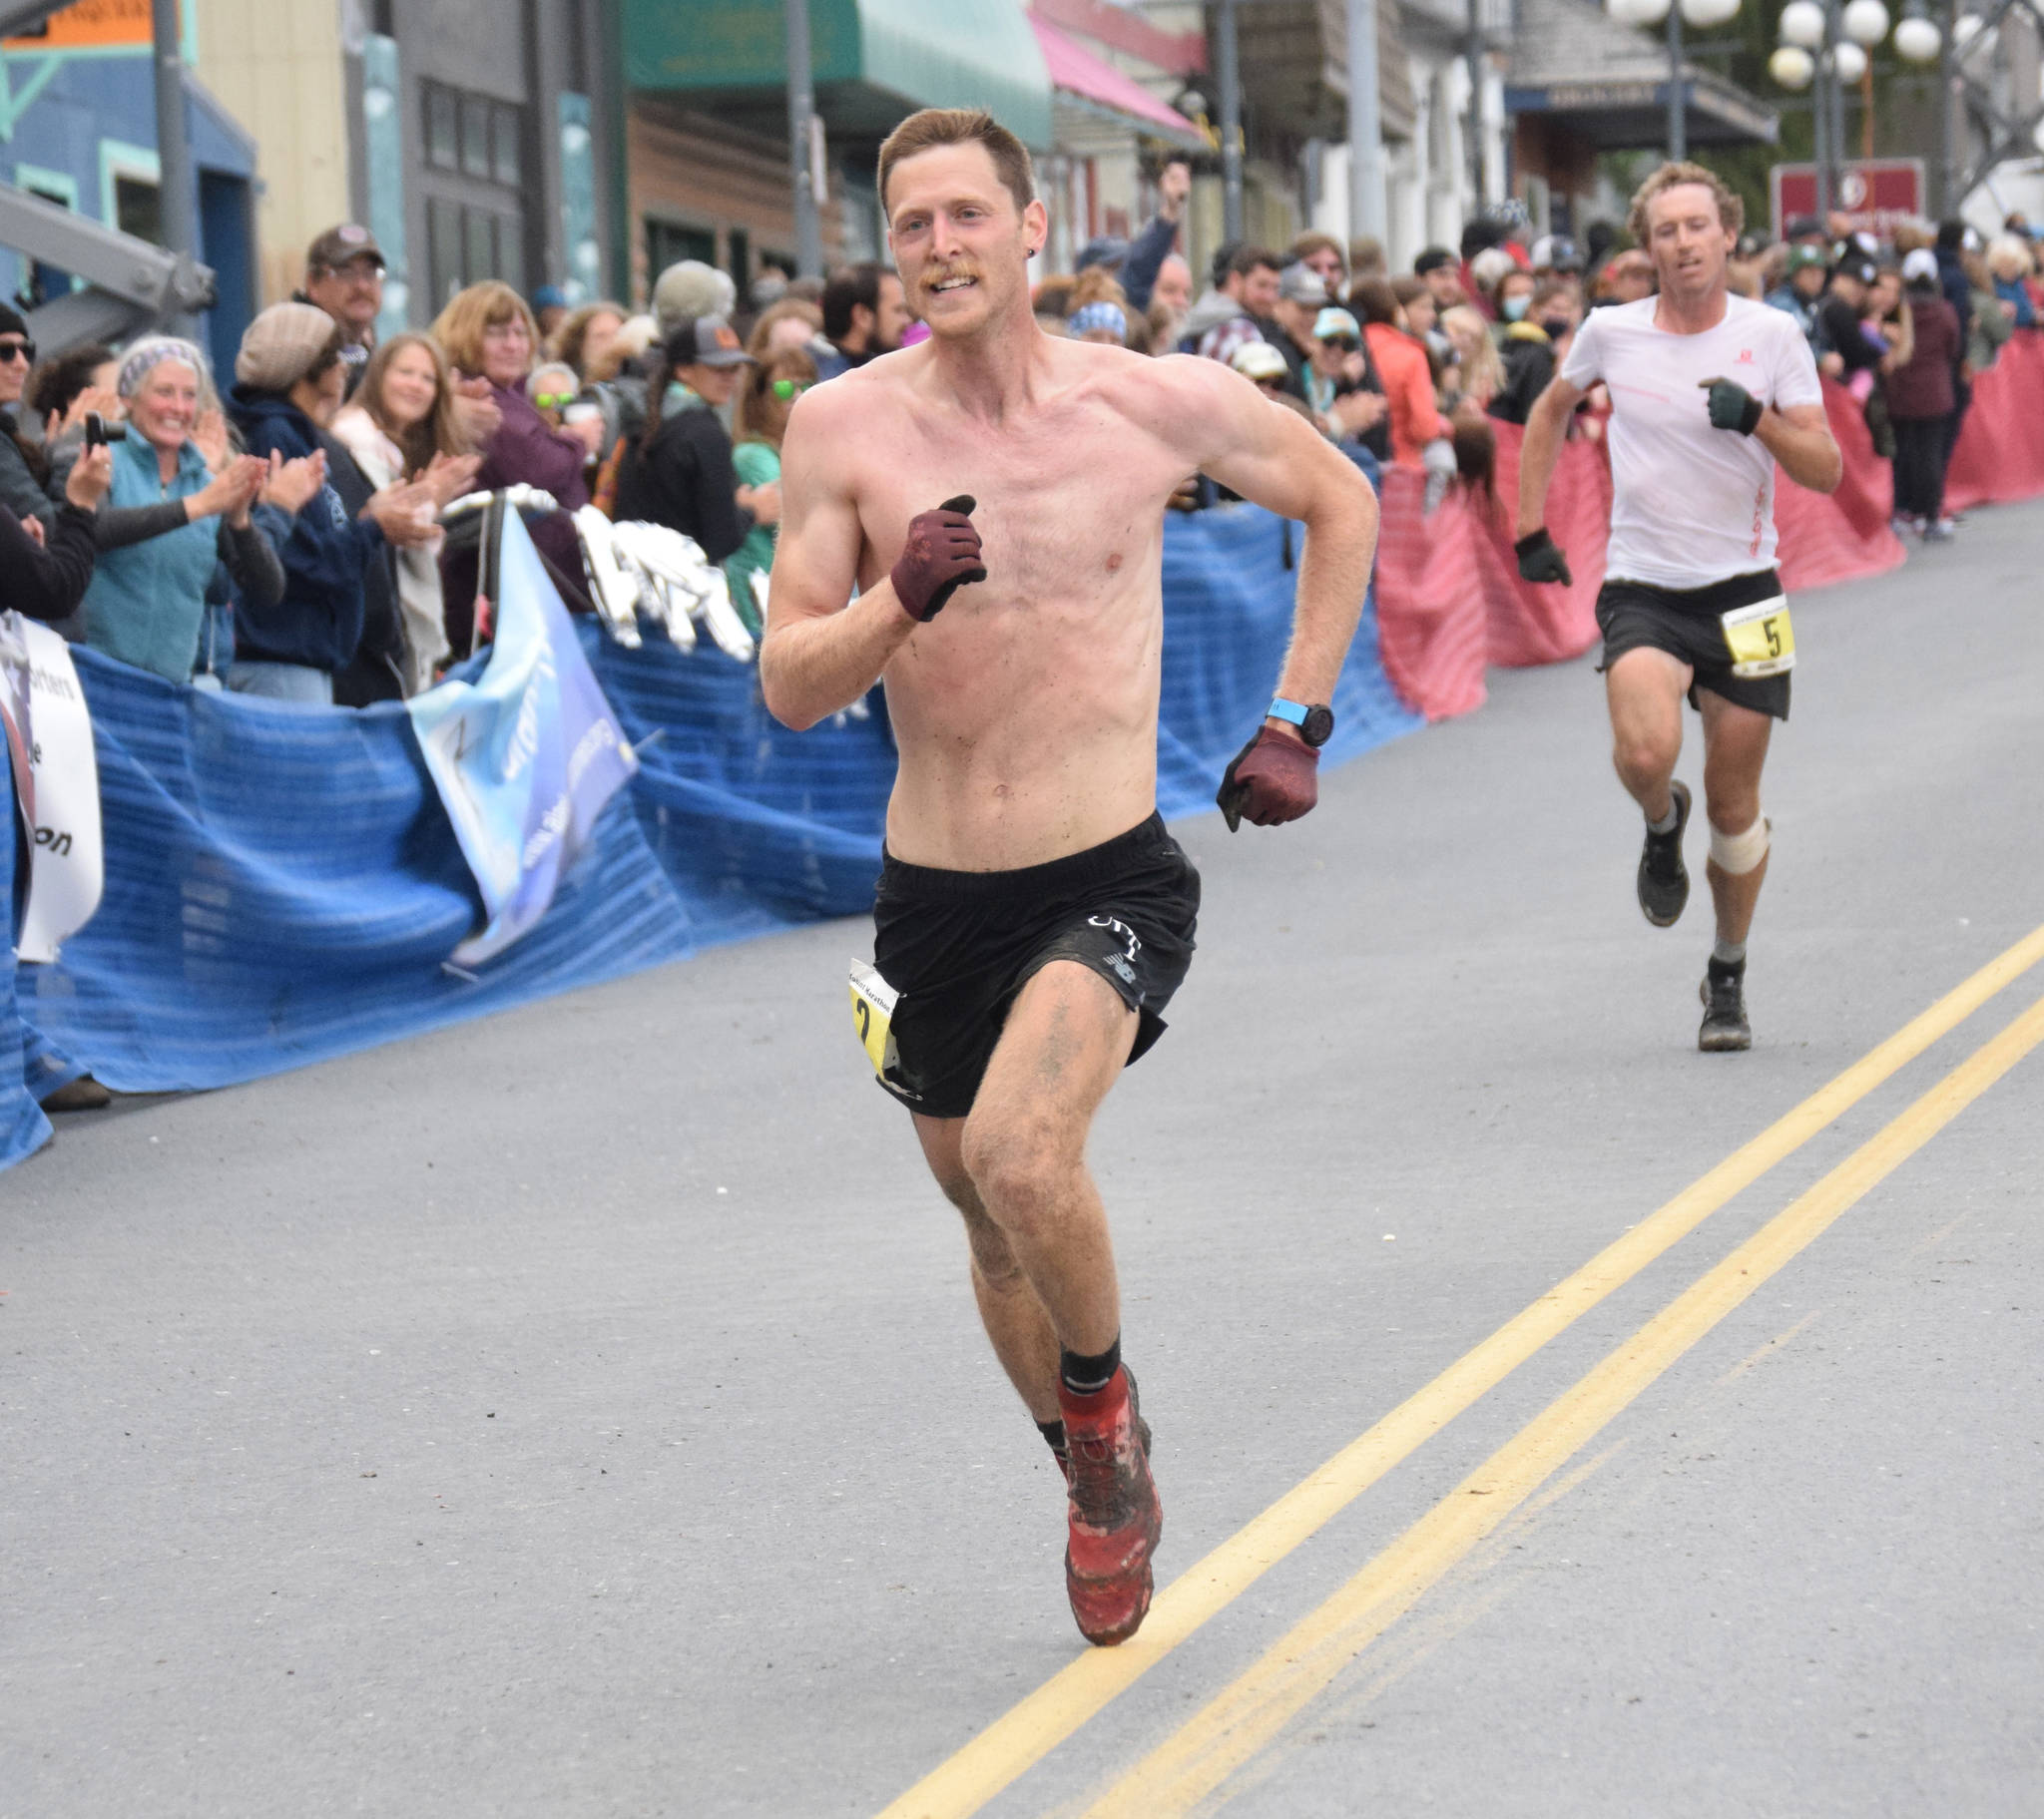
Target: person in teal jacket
x,y
758,422
177,523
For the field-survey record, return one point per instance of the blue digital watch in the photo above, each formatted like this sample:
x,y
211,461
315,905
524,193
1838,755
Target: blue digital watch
x,y
1315,723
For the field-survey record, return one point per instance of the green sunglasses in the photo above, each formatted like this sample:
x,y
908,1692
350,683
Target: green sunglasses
x,y
553,400
784,389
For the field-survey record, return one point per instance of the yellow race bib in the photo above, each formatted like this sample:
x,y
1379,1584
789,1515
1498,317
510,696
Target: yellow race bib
x,y
872,1014
1759,638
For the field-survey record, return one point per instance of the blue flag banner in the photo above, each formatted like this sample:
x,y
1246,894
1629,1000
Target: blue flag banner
x,y
283,884
526,755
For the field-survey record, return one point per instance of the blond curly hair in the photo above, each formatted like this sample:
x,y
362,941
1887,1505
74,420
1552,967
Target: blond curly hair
x,y
1731,209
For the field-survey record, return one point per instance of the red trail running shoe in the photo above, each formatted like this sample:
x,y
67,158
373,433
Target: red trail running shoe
x,y
1116,1519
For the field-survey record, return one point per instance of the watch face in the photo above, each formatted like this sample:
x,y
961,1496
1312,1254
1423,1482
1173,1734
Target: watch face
x,y
1318,727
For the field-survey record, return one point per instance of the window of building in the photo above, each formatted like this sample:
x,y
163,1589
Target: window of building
x,y
668,242
475,200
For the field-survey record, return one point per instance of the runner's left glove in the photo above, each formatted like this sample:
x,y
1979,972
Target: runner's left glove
x,y
1732,405
1272,780
940,556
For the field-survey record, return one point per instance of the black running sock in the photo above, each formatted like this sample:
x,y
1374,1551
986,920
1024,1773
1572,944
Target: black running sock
x,y
1053,1433
1667,823
1082,1376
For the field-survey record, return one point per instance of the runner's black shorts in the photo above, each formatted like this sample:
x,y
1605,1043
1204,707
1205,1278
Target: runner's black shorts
x,y
959,946
1685,623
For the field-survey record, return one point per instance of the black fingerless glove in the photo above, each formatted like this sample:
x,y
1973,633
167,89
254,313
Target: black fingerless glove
x,y
1733,406
1541,560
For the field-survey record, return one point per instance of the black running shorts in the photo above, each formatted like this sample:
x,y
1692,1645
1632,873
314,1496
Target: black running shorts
x,y
1684,621
958,946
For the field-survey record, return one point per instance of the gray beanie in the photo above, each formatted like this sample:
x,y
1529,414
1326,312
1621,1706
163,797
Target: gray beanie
x,y
692,289
282,346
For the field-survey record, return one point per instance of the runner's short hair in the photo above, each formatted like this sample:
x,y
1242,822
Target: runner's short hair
x,y
934,126
1731,209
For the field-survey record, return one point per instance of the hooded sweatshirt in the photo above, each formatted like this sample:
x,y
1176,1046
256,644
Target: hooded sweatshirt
x,y
320,622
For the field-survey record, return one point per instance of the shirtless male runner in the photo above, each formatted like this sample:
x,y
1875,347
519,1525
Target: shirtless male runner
x,y
1033,917
1708,392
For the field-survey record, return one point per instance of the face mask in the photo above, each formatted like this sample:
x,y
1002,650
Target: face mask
x,y
1515,308
1556,325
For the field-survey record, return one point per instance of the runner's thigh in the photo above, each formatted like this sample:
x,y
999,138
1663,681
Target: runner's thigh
x,y
1066,1040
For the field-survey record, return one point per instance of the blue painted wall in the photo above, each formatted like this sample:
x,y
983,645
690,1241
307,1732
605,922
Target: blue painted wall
x,y
73,123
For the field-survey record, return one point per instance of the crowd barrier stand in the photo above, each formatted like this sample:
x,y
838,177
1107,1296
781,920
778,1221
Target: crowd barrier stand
x,y
283,885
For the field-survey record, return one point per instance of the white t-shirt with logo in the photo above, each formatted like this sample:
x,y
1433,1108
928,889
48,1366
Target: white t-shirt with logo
x,y
1691,505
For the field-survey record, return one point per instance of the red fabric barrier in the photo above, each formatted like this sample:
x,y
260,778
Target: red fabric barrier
x,y
1450,601
1844,535
2000,456
1431,627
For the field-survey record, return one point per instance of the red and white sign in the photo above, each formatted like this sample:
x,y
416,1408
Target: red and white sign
x,y
1873,195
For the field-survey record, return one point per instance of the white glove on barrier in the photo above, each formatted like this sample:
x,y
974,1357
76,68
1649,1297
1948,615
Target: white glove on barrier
x,y
616,594
1439,459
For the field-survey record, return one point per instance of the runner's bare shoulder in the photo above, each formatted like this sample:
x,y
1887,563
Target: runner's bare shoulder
x,y
1189,403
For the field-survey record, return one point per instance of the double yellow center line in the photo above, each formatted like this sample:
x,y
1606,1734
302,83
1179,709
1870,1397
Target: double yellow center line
x,y
1250,1713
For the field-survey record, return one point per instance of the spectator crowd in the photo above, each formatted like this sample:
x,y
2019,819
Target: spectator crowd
x,y
282,531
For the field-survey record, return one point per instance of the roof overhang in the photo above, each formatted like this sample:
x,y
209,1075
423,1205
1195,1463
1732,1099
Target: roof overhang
x,y
873,61
1614,114
1094,102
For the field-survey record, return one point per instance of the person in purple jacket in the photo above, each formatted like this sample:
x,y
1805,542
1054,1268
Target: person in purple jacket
x,y
487,331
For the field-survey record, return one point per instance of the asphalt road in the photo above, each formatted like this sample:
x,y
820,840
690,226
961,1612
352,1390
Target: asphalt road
x,y
583,1412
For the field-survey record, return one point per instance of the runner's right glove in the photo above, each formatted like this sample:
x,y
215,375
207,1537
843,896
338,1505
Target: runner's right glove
x,y
940,556
1540,559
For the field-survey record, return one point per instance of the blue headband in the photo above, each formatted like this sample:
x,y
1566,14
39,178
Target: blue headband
x,y
1099,315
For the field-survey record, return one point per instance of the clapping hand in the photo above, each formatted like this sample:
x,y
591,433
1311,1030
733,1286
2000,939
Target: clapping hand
x,y
293,485
101,398
233,490
476,411
404,512
447,477
1174,186
210,436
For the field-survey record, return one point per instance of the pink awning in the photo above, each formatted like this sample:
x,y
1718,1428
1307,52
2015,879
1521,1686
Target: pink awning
x,y
1078,72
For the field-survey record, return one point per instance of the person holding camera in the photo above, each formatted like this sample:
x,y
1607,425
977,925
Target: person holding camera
x,y
178,529
48,571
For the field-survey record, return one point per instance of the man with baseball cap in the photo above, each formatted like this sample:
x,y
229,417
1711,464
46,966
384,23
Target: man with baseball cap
x,y
1800,289
344,278
679,472
1845,348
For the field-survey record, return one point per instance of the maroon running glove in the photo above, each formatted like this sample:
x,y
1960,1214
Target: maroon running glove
x,y
940,557
1275,779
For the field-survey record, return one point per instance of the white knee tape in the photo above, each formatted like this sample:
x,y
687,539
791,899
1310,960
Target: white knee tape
x,y
1737,854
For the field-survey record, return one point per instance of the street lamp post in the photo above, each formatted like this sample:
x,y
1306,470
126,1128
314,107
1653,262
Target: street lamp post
x,y
1703,15
1229,77
1365,133
802,143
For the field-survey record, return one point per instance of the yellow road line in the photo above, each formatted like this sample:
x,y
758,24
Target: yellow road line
x,y
1249,1715
1030,1730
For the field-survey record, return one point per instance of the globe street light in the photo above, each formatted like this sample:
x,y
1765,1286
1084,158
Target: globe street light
x,y
1832,45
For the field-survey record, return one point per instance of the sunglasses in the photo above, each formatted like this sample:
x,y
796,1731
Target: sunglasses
x,y
553,400
784,389
1269,384
16,349
1342,342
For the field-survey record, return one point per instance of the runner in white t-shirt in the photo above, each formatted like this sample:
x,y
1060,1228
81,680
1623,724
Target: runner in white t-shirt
x,y
1709,392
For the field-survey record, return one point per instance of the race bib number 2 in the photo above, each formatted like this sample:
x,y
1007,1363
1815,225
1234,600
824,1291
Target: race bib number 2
x,y
1760,637
872,1014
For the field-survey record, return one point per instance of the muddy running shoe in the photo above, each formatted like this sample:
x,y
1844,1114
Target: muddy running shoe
x,y
1115,1518
1723,995
1662,882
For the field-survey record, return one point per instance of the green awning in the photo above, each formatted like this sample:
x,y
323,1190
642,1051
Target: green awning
x,y
873,61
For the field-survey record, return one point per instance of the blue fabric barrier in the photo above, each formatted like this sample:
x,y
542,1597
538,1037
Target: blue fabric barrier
x,y
283,885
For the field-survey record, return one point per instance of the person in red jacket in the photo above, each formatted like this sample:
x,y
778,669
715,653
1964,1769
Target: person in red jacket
x,y
1417,423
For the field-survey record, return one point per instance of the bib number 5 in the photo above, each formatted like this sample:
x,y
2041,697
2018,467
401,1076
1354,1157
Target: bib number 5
x,y
1760,637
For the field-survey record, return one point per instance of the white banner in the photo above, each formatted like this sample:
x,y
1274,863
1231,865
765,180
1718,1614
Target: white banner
x,y
56,781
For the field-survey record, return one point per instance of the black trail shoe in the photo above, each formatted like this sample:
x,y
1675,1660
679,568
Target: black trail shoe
x,y
1662,882
1723,995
